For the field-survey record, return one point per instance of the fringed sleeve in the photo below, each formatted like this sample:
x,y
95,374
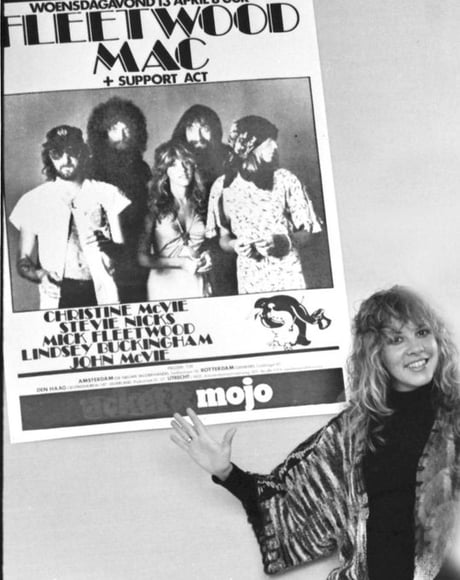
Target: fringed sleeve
x,y
298,511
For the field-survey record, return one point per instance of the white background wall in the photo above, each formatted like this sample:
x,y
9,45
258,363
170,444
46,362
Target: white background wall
x,y
127,506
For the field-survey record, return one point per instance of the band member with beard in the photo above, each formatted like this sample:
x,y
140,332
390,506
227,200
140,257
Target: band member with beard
x,y
261,212
70,235
201,129
117,137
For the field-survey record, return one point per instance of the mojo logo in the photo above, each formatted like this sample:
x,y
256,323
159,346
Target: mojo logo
x,y
235,395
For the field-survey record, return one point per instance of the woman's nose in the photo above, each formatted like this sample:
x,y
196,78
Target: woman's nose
x,y
416,344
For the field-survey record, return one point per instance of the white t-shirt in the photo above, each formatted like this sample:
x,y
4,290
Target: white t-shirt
x,y
45,211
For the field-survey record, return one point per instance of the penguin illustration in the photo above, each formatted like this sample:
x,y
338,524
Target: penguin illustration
x,y
288,319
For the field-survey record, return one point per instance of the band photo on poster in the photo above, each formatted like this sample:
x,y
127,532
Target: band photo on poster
x,y
133,237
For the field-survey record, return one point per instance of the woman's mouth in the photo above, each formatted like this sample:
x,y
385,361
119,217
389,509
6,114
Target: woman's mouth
x,y
417,365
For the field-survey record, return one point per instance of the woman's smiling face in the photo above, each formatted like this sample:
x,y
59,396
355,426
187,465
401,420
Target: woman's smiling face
x,y
410,354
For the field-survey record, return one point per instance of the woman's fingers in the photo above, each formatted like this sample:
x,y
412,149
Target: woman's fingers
x,y
183,427
197,423
180,432
179,441
196,430
186,434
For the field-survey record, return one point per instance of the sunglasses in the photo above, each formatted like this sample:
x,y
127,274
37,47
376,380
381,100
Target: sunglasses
x,y
72,151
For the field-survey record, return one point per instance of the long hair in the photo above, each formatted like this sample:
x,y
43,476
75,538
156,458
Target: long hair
x,y
370,381
161,199
204,115
107,114
125,168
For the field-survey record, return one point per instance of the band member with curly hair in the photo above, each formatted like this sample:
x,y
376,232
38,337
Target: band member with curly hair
x,y
172,242
70,235
201,128
117,138
260,212
380,482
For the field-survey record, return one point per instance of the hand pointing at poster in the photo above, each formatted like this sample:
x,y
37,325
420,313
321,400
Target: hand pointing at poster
x,y
194,438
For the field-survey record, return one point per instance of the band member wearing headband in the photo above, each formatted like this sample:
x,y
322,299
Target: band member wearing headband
x,y
261,212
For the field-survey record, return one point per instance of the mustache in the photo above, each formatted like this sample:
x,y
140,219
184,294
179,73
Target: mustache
x,y
196,142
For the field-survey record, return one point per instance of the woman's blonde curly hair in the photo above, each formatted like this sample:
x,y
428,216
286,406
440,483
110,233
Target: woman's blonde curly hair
x,y
369,379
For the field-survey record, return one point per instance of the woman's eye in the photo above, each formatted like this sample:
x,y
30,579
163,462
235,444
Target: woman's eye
x,y
395,339
423,332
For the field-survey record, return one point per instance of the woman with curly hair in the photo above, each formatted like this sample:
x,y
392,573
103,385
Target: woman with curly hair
x,y
380,482
172,243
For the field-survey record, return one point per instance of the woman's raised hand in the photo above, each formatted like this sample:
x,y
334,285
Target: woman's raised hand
x,y
194,438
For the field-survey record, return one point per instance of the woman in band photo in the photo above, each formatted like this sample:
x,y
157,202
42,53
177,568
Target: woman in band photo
x,y
172,243
380,482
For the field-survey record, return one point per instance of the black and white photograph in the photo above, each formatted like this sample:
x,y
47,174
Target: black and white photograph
x,y
230,293
125,195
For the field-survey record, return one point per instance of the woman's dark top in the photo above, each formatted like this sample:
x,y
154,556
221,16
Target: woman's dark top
x,y
390,480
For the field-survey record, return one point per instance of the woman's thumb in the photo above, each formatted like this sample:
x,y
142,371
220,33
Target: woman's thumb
x,y
228,436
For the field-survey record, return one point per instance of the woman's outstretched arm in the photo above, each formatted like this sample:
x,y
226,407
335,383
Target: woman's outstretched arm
x,y
296,510
194,438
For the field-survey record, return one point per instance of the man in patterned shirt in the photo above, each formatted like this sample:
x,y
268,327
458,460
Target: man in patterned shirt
x,y
261,212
